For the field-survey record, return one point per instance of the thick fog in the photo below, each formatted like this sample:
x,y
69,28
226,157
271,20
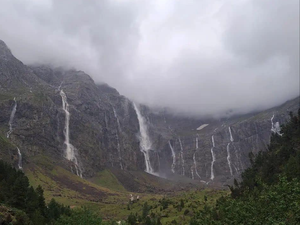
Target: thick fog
x,y
196,57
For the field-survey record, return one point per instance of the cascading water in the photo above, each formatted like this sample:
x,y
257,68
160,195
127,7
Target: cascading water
x,y
11,119
145,142
192,172
20,159
173,157
117,137
70,152
212,175
182,158
117,118
195,165
228,152
194,157
275,128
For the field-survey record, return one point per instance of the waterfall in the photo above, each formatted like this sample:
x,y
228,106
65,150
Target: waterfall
x,y
272,124
119,151
228,159
212,175
70,152
182,158
173,157
20,159
231,138
11,119
117,118
192,172
228,152
275,128
195,165
197,143
145,142
117,137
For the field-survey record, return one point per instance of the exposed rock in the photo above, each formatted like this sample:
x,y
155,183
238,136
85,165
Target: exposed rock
x,y
104,126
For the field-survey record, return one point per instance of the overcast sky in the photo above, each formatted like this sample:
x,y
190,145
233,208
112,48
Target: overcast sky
x,y
196,57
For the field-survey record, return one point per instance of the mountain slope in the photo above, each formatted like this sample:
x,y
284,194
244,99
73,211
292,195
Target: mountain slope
x,y
85,128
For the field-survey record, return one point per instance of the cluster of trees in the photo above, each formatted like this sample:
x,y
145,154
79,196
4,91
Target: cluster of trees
x,y
21,204
269,192
146,217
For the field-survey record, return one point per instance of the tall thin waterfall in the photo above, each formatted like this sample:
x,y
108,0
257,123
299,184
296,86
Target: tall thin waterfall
x,y
182,158
145,142
20,159
11,119
228,152
195,165
197,143
194,157
173,157
71,151
117,118
212,175
118,139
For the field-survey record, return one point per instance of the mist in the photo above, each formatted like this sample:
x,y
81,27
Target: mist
x,y
196,58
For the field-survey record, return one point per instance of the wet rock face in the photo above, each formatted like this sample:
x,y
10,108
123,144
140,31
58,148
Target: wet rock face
x,y
249,133
104,127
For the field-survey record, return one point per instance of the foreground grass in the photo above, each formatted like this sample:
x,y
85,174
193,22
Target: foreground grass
x,y
106,196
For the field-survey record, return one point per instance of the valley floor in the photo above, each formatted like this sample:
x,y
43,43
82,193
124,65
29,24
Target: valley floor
x,y
106,196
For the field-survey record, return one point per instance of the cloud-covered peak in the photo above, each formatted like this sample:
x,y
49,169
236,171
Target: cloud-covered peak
x,y
195,57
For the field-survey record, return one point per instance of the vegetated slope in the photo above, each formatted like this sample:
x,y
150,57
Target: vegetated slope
x,y
20,203
269,192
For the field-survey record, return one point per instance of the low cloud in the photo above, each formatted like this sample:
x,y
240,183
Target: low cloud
x,y
194,57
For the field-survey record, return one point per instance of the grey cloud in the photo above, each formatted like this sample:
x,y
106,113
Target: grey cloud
x,y
196,58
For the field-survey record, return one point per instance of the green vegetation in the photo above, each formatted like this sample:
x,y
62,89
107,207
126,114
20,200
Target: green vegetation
x,y
269,192
16,193
177,208
4,144
106,179
20,203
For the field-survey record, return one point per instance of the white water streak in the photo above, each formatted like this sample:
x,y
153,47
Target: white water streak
x,y
228,152
145,142
117,137
229,159
192,172
70,152
275,128
173,166
212,175
231,138
182,158
195,165
117,118
20,159
11,119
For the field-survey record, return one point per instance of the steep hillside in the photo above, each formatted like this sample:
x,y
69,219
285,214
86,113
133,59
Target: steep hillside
x,y
269,191
87,128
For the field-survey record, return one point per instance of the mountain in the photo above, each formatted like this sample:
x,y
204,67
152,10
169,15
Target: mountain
x,y
56,117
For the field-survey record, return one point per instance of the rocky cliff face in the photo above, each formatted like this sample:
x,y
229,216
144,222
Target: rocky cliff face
x,y
104,127
220,150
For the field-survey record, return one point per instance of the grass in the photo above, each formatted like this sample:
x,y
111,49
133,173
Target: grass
x,y
108,180
113,201
5,144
